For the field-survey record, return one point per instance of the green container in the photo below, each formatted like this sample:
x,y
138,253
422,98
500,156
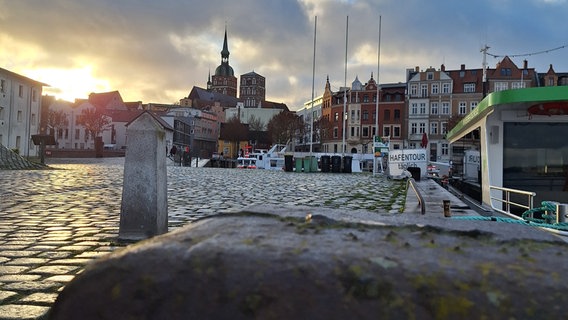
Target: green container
x,y
299,164
310,164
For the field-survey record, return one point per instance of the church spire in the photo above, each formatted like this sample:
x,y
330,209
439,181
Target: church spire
x,y
209,83
225,51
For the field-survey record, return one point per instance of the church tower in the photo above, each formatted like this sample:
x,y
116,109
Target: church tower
x,y
224,80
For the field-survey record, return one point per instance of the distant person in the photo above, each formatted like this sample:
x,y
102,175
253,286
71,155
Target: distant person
x,y
173,151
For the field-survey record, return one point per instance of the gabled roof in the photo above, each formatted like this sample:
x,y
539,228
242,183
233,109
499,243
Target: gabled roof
x,y
124,115
22,78
203,95
274,105
107,100
162,122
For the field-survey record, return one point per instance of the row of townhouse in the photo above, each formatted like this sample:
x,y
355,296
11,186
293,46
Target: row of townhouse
x,y
414,114
194,130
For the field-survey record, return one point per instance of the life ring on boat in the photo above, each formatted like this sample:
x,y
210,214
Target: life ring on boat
x,y
549,109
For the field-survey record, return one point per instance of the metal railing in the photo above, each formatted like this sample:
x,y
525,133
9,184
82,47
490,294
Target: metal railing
x,y
412,183
506,198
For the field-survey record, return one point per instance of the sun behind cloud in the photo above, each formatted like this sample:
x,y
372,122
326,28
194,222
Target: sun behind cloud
x,y
69,84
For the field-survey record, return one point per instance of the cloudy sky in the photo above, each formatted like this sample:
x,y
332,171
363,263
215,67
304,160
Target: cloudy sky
x,y
156,51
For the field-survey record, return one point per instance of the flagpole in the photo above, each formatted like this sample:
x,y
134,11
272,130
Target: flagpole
x,y
343,117
313,86
377,102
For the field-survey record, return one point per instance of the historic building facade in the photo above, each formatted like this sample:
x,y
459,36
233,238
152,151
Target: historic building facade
x,y
20,105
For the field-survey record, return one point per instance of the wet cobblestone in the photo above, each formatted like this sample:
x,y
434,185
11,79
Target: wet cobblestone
x,y
54,222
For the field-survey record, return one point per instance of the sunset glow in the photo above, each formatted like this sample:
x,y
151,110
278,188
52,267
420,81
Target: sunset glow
x,y
69,84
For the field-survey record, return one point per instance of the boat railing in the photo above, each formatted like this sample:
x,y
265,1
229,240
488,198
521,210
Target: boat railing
x,y
505,199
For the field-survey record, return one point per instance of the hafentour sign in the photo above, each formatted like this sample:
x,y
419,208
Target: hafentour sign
x,y
400,160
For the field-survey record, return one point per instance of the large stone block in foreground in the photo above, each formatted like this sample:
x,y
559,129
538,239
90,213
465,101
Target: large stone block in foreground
x,y
336,265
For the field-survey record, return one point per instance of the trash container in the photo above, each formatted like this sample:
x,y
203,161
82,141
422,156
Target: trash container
x,y
186,159
336,164
288,163
299,162
415,172
310,164
325,163
347,164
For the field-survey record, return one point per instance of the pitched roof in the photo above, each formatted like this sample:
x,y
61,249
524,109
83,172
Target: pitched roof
x,y
22,78
203,95
107,100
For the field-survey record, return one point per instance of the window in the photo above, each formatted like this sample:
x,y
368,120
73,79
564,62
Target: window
x,y
396,131
413,128
335,130
34,96
435,88
365,132
424,90
446,88
444,128
434,128
336,118
472,105
19,116
517,85
421,127
396,114
414,108
500,86
2,85
434,108
352,131
445,108
413,90
445,149
386,131
469,87
33,119
551,82
422,107
21,91
77,133
365,98
506,72
430,76
462,108
365,115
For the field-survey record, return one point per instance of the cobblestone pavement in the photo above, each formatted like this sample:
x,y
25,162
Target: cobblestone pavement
x,y
54,222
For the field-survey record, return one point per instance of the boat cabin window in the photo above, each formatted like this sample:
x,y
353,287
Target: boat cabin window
x,y
535,158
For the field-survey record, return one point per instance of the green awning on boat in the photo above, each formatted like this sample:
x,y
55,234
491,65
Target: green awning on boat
x,y
507,98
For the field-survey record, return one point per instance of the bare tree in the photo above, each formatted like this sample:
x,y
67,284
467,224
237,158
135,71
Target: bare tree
x,y
255,124
57,120
284,127
322,130
94,121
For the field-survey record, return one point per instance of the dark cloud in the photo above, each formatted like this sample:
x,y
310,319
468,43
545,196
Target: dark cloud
x,y
155,51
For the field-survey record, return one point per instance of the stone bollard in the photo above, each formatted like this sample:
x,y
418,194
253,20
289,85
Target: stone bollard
x,y
144,210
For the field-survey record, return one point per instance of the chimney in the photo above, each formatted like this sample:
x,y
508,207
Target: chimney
x,y
443,67
525,64
417,69
463,67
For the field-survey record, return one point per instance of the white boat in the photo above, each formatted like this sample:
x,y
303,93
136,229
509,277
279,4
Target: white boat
x,y
246,163
272,159
515,152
